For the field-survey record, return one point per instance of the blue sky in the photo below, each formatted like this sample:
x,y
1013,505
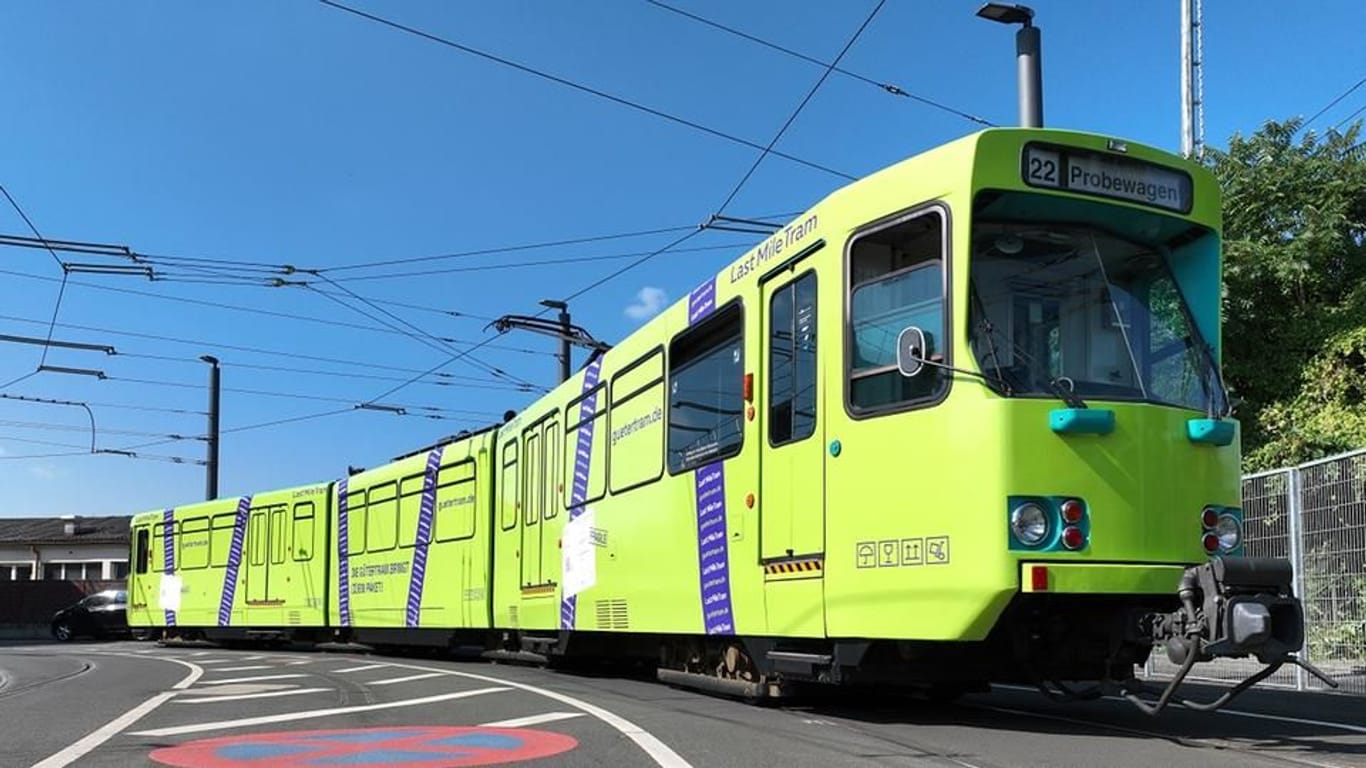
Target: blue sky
x,y
294,133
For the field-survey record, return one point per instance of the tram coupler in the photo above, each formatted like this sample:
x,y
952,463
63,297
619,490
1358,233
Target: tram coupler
x,y
1230,608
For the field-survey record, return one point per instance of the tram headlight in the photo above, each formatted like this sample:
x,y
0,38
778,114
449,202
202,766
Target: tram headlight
x,y
1029,523
1230,533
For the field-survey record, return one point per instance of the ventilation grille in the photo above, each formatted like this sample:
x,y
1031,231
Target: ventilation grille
x,y
612,614
295,618
512,616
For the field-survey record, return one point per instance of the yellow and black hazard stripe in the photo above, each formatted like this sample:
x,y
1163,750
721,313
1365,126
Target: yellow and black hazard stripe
x,y
793,566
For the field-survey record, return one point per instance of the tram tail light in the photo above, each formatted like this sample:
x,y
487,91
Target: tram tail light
x,y
1072,511
1073,538
1210,542
1209,517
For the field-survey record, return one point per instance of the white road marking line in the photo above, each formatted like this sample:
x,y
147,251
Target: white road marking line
x,y
289,716
202,653
409,678
296,663
360,669
247,668
648,742
214,661
74,752
241,696
1234,712
250,679
522,722
257,657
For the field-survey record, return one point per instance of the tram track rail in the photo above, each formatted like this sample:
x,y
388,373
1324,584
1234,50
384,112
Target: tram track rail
x,y
13,686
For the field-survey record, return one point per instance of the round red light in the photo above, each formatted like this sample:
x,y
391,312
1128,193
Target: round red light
x,y
1209,518
1072,511
1210,542
1073,538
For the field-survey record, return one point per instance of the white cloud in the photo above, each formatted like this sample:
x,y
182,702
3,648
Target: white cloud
x,y
649,300
43,472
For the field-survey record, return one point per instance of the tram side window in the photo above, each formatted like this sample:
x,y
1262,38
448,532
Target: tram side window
x,y
355,522
381,517
194,543
507,487
792,361
706,391
164,538
585,427
303,531
896,280
220,540
637,423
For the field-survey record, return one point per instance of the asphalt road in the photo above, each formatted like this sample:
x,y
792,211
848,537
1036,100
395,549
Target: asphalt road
x,y
134,704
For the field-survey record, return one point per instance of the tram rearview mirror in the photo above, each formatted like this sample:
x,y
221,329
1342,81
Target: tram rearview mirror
x,y
910,351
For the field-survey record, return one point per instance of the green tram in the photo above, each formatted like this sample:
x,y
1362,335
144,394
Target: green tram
x,y
960,422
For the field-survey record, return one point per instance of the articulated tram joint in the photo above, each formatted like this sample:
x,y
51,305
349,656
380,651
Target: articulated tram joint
x,y
1230,608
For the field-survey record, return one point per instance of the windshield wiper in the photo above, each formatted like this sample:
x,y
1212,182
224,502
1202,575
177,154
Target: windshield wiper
x,y
1054,384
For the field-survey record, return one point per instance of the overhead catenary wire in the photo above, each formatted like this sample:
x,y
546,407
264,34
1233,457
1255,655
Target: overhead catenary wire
x,y
419,409
890,88
1334,103
576,86
1350,117
218,345
423,336
61,289
444,379
736,189
125,406
538,263
124,452
55,427
284,315
768,150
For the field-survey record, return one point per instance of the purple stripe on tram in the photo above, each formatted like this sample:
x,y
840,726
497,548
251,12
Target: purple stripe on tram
x,y
713,552
426,511
343,560
168,549
239,532
583,461
713,555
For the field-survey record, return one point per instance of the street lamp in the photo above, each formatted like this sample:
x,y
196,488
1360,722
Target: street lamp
x,y
211,466
1028,57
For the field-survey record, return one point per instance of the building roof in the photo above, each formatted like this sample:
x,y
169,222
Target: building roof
x,y
53,530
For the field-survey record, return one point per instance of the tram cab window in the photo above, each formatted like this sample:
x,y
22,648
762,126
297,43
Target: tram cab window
x,y
896,280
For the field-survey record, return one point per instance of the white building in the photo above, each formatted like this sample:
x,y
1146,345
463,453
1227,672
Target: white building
x,y
69,547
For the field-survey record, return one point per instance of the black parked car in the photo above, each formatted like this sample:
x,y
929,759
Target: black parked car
x,y
99,615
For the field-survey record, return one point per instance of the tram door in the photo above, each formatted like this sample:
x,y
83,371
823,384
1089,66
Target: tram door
x,y
266,552
258,553
533,503
792,456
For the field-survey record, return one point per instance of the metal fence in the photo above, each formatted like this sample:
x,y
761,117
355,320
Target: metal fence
x,y
1315,515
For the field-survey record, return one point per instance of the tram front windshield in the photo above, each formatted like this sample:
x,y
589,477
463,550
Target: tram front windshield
x,y
1086,304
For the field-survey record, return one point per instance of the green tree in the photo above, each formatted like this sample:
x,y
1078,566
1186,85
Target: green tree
x,y
1295,290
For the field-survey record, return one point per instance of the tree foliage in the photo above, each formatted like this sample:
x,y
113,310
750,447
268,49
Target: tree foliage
x,y
1295,290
